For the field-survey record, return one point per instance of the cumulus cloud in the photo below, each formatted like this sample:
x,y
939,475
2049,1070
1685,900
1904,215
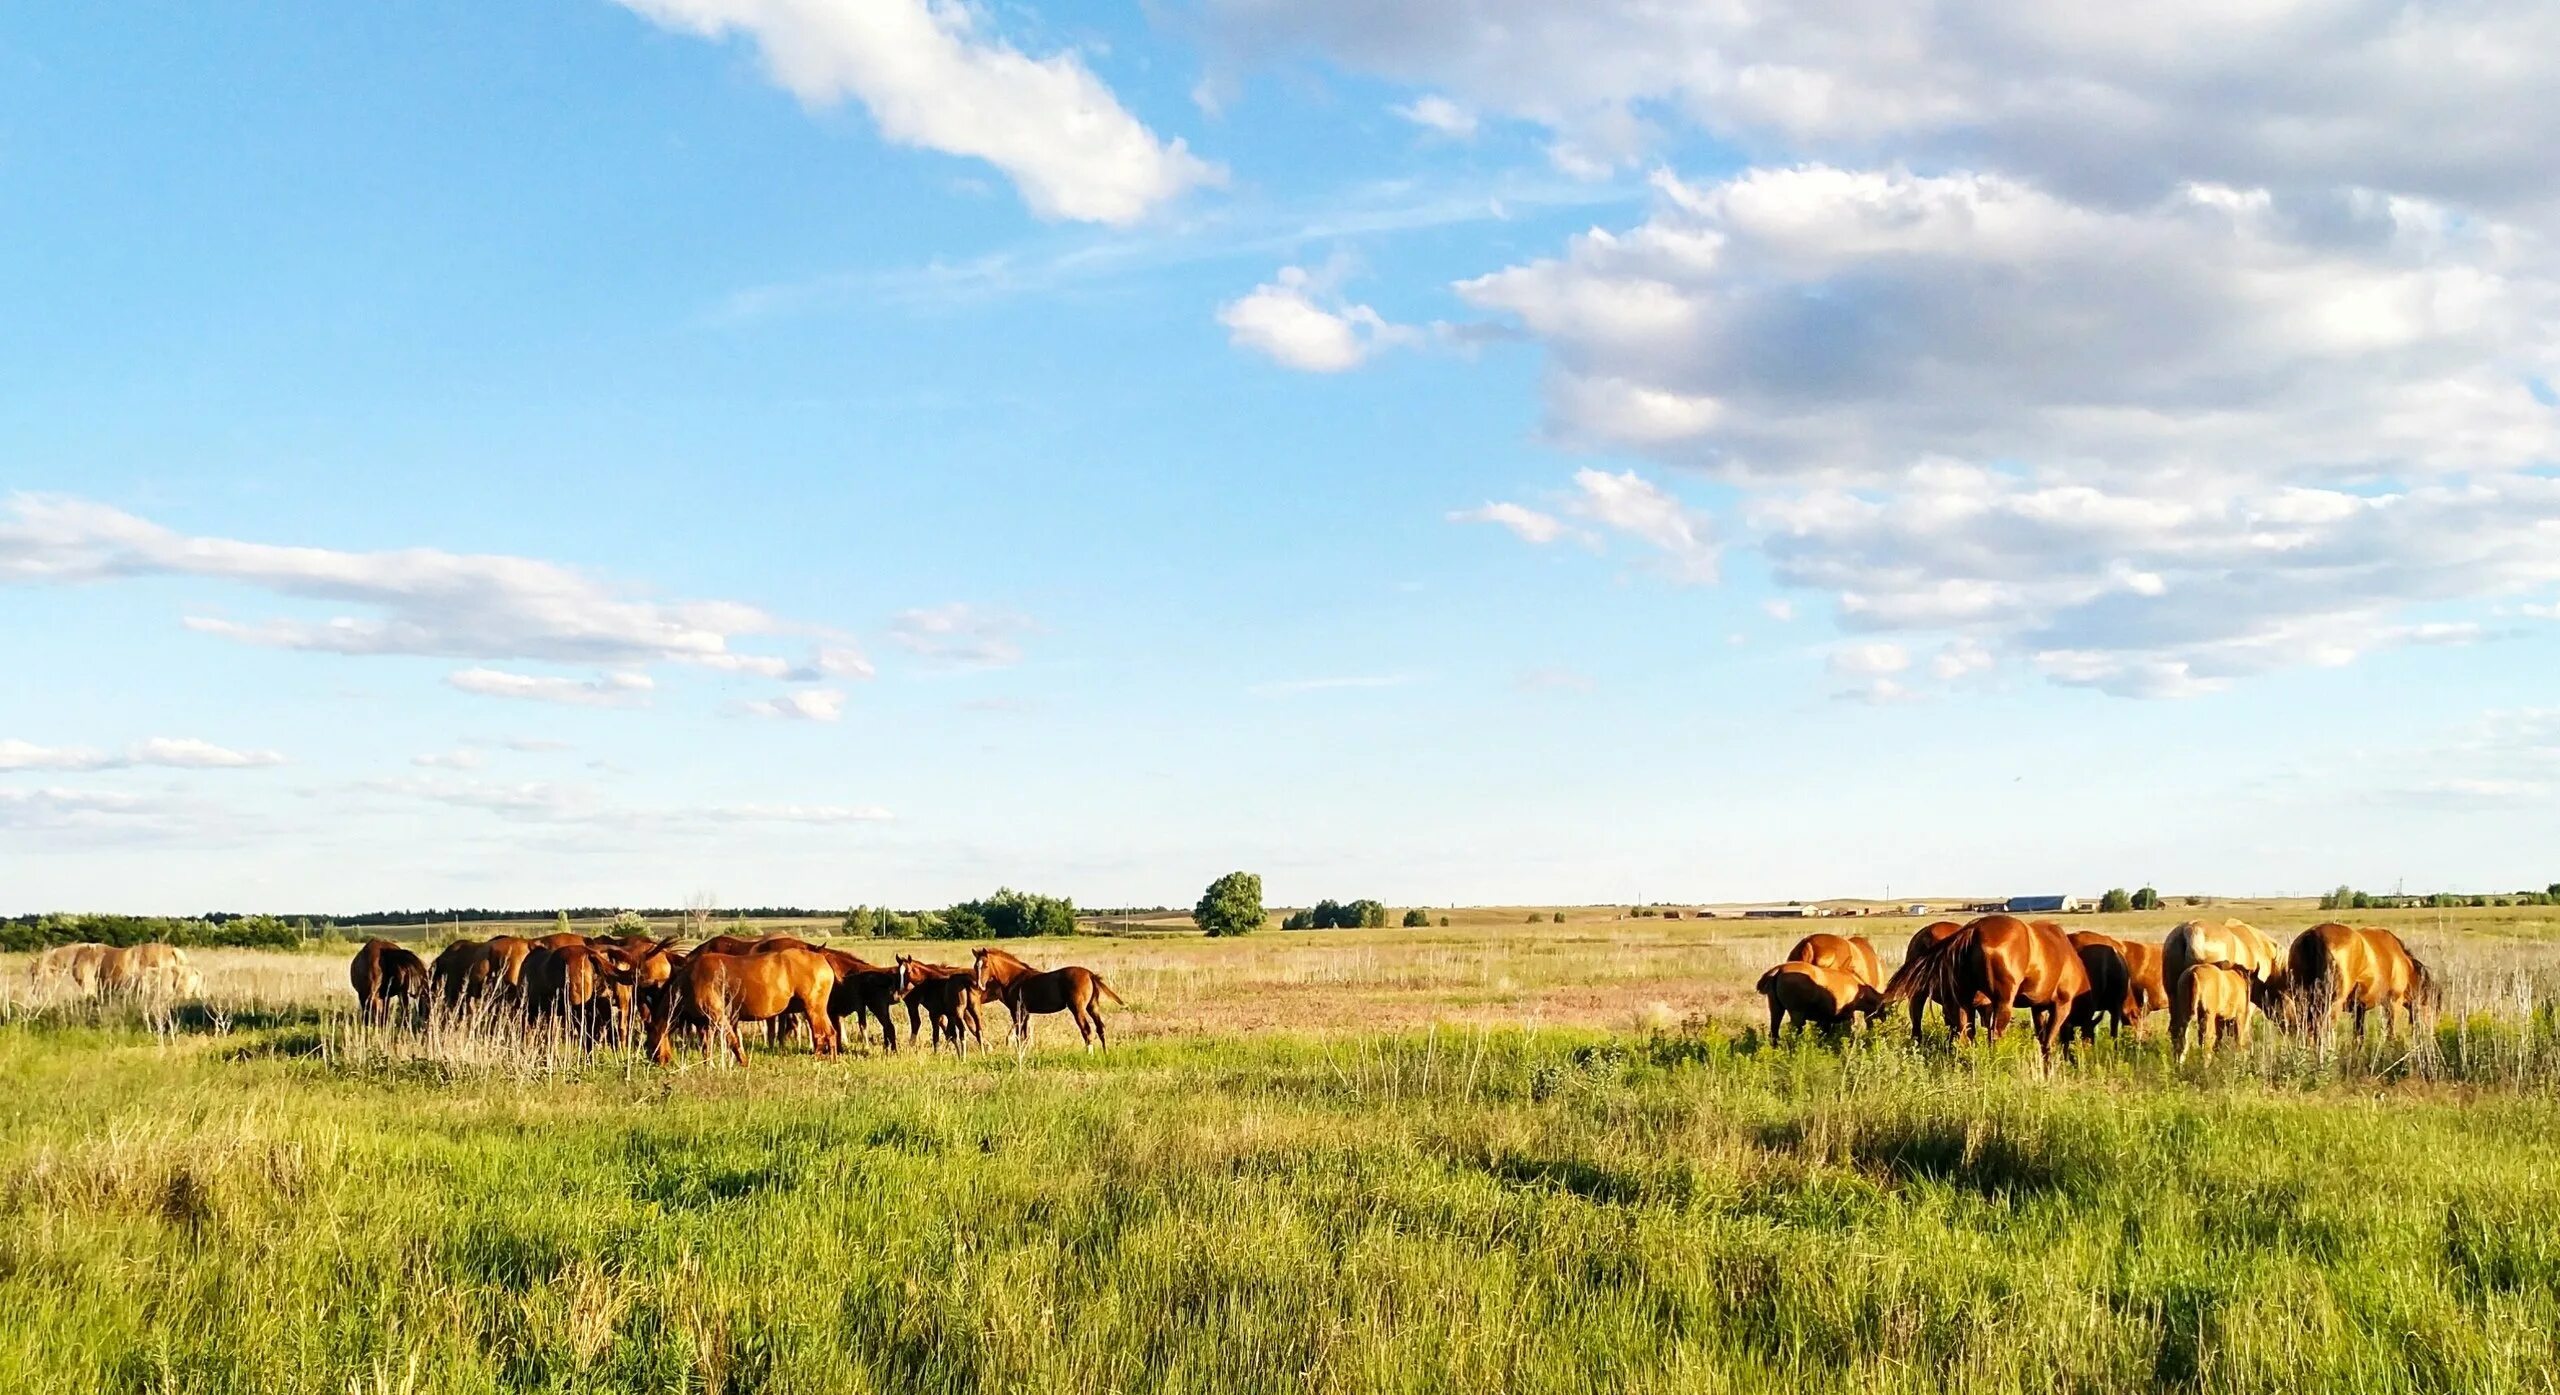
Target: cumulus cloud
x,y
2450,101
962,635
1300,321
604,690
1869,660
184,753
460,758
799,705
932,77
416,601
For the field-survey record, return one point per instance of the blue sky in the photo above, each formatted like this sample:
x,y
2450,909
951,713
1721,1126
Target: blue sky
x,y
1467,452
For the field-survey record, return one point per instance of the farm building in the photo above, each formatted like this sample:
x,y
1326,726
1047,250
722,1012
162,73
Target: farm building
x,y
1916,908
2021,905
1781,912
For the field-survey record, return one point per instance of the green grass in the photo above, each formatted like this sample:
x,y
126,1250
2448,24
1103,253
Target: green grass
x,y
1475,1212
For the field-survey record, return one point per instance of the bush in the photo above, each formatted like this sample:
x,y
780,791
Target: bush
x,y
1007,915
1559,917
2115,902
1299,920
1328,914
2146,899
1444,920
1416,917
1231,906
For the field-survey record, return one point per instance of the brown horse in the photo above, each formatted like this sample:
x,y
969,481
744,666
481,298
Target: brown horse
x,y
585,987
865,992
1815,995
507,954
1994,964
77,965
561,939
1851,954
949,997
1073,990
2150,983
1924,942
2331,969
2233,943
464,969
2111,992
719,991
2213,997
382,971
726,944
145,970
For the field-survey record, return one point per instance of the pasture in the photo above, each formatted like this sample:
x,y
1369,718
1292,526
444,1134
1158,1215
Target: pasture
x,y
1493,1156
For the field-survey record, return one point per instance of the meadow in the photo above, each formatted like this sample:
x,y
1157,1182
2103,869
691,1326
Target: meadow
x,y
1493,1156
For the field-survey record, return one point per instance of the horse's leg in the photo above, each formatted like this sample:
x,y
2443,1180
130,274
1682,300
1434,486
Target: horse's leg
x,y
1084,1027
1777,1017
888,1027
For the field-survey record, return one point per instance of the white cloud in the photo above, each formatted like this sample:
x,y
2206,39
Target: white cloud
x,y
1526,524
2451,101
1437,113
1872,659
422,601
1960,657
962,635
1782,611
2504,759
463,758
1299,321
1555,680
931,77
799,705
185,753
603,690
1628,504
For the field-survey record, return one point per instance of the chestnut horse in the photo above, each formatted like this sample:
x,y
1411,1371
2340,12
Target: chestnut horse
x,y
2150,982
1996,963
1073,990
2215,998
1923,940
464,969
2111,992
1816,995
382,971
949,997
587,987
2331,969
719,991
1851,954
865,992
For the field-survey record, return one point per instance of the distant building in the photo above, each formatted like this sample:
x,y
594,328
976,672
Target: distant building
x,y
1782,912
2022,905
1916,908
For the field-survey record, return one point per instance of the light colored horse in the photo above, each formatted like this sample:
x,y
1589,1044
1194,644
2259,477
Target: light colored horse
x,y
2234,944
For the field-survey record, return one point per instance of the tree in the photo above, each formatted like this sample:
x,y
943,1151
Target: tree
x,y
1559,917
2115,901
1365,914
1299,920
2147,899
1416,916
1231,906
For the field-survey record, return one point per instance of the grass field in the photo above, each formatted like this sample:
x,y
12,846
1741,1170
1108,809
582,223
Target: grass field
x,y
1491,1157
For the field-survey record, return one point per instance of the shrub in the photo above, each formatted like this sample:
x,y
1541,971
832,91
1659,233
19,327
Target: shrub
x,y
1008,915
1415,917
1231,906
1559,917
2147,899
2116,901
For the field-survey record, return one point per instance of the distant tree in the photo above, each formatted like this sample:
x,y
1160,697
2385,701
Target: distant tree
x,y
1231,906
1535,917
1444,920
2339,899
563,922
1299,920
1326,915
2359,901
1559,917
628,922
1366,914
1009,915
2147,899
2116,901
1416,917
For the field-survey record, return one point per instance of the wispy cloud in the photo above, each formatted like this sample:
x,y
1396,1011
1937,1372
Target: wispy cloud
x,y
603,690
802,705
1290,687
962,635
183,753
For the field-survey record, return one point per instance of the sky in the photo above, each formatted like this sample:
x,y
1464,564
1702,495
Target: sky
x,y
1456,452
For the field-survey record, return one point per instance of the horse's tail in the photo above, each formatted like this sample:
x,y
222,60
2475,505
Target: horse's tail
x,y
2311,973
1928,974
2424,991
1105,990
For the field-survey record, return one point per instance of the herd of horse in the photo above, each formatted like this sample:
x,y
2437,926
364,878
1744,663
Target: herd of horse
x,y
154,971
2209,974
618,988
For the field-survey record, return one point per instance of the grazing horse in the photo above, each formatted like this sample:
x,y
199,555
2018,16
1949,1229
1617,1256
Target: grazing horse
x,y
507,954
143,969
1815,995
949,997
726,944
1073,990
2111,992
865,992
2150,983
76,965
2232,943
719,991
2215,999
1924,942
382,971
2331,969
586,987
560,939
1851,954
1994,964
464,969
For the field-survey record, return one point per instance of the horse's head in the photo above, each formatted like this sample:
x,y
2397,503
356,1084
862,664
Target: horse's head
x,y
1869,1002
978,970
910,973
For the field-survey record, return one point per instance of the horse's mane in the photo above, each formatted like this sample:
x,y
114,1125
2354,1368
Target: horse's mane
x,y
1006,956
